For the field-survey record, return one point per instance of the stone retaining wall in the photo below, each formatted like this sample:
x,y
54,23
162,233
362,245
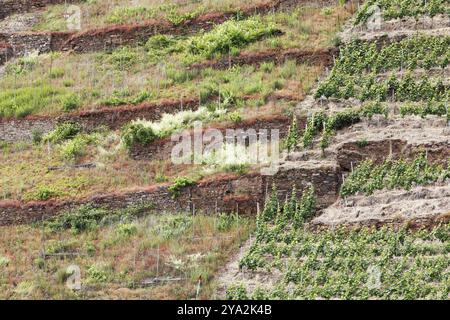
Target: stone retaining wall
x,y
223,193
9,7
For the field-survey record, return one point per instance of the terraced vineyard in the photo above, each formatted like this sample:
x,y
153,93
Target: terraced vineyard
x,y
96,96
288,261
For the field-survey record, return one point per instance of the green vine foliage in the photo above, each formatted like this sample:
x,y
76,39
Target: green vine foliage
x,y
392,9
293,136
366,87
369,177
292,214
355,73
340,263
331,123
409,54
430,108
337,263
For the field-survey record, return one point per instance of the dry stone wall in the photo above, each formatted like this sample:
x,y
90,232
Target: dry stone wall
x,y
9,7
223,193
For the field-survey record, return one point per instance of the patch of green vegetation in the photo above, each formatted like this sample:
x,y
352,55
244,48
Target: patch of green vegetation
x,y
366,88
123,58
177,18
89,217
71,102
236,292
127,14
76,147
126,230
98,273
22,65
137,133
63,131
232,34
393,9
142,132
362,143
23,101
369,177
180,183
409,54
342,263
45,193
293,136
173,226
430,108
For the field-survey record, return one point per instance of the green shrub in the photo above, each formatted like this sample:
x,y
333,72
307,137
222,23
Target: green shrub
x,y
235,116
37,136
160,42
141,97
62,132
236,292
178,18
229,35
362,143
97,274
114,101
161,45
180,183
123,58
267,67
293,136
126,230
137,133
76,147
22,65
55,246
88,217
71,102
84,218
172,226
45,193
23,101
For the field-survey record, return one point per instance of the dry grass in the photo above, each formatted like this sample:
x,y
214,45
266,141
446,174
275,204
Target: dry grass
x,y
114,264
107,12
96,79
24,171
94,83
